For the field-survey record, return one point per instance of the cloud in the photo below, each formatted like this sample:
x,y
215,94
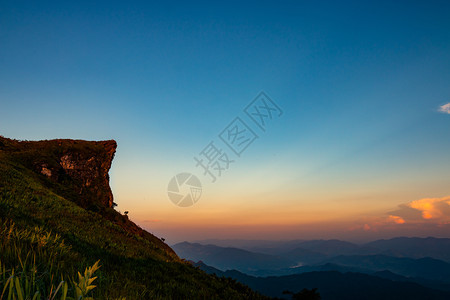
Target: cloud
x,y
434,210
422,213
396,220
445,108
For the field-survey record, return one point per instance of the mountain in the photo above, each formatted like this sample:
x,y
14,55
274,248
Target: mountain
x,y
57,218
329,247
289,254
427,268
318,255
228,258
304,256
272,247
329,267
438,248
333,285
414,247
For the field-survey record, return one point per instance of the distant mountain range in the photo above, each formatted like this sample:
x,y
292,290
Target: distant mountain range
x,y
287,257
227,258
438,248
399,268
427,268
334,285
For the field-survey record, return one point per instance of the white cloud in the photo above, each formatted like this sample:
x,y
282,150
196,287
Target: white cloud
x,y
445,108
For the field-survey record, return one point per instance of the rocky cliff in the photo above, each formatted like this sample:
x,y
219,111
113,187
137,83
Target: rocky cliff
x,y
75,168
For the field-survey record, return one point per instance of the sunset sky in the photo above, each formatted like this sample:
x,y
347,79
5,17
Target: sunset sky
x,y
360,151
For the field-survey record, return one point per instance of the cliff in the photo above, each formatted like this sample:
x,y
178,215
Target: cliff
x,y
75,168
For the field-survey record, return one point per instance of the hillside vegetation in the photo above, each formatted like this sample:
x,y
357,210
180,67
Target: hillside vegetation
x,y
47,235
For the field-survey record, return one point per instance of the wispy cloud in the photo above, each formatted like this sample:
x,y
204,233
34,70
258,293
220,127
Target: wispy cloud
x,y
396,219
445,108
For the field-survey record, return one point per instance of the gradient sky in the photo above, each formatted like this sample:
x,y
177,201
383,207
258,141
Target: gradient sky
x,y
361,150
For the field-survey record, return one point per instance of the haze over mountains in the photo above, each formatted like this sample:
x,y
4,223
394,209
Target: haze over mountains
x,y
400,246
414,266
255,256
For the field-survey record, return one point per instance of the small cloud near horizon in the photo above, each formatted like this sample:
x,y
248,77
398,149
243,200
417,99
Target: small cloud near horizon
x,y
445,108
396,219
429,211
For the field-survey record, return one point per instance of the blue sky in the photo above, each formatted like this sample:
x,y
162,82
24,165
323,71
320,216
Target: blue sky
x,y
360,85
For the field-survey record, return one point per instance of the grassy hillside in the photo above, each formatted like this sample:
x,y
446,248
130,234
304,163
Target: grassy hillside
x,y
46,238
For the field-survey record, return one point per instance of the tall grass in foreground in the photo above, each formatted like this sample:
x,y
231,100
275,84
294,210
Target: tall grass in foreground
x,y
32,266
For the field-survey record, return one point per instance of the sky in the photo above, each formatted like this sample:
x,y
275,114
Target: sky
x,y
356,136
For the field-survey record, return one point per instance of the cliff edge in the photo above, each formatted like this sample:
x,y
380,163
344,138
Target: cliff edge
x,y
76,168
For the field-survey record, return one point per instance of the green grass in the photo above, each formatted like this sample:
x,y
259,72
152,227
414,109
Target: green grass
x,y
52,238
33,266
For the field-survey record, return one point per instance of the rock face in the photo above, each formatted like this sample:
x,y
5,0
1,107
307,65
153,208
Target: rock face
x,y
90,171
79,169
